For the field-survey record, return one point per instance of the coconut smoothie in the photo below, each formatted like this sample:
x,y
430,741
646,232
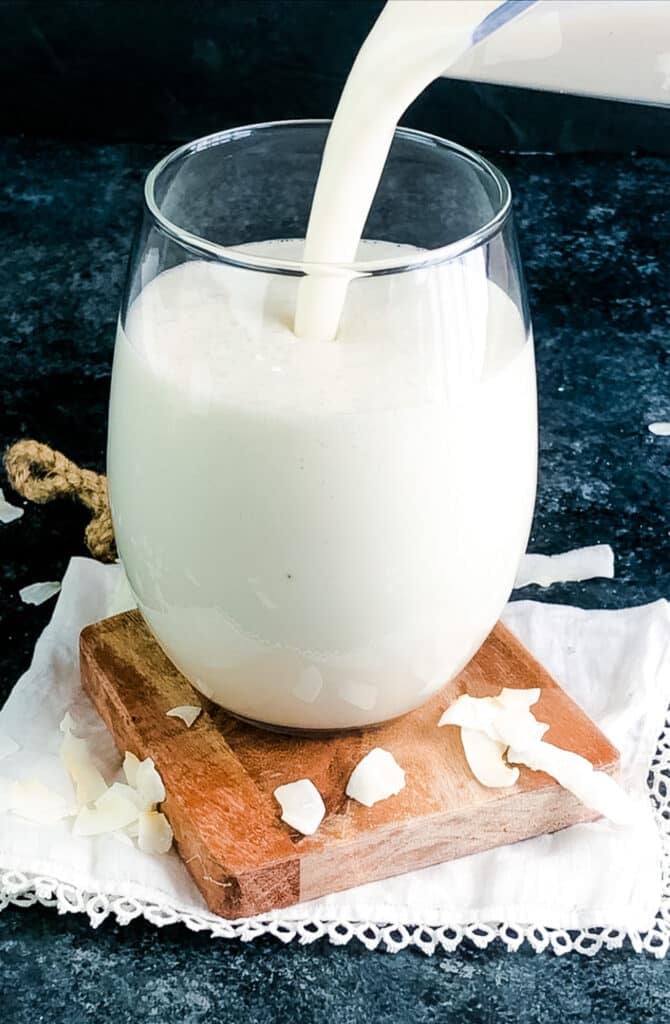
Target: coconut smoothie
x,y
322,487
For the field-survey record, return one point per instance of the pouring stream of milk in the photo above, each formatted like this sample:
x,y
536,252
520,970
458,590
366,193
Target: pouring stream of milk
x,y
412,43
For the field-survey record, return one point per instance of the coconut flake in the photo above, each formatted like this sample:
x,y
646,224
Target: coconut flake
x,y
661,429
507,721
593,788
112,812
187,712
596,561
510,724
8,512
149,785
130,766
472,713
7,746
114,796
34,801
485,758
127,792
515,697
155,834
376,777
518,727
38,593
76,758
301,805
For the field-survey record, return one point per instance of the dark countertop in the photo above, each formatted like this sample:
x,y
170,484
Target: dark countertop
x,y
595,237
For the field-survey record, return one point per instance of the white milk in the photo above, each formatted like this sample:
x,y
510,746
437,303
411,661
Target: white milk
x,y
411,43
321,534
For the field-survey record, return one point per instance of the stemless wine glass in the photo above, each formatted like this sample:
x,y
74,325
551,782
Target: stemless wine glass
x,y
321,534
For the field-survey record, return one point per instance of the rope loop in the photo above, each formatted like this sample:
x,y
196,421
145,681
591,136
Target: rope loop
x,y
40,474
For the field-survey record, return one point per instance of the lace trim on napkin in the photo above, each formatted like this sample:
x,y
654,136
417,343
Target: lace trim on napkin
x,y
24,890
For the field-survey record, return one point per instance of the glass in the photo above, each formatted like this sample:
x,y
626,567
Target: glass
x,y
321,535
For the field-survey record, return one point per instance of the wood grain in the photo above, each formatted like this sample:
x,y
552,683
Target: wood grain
x,y
221,773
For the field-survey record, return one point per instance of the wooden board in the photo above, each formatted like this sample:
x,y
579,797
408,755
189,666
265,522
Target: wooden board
x,y
221,773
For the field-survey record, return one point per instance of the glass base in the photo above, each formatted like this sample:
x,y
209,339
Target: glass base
x,y
308,734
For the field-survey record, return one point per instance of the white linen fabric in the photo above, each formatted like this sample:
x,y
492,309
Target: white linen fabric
x,y
585,888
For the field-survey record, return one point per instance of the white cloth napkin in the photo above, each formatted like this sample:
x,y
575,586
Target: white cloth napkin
x,y
616,664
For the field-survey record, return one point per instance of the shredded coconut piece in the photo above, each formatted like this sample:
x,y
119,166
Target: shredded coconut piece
x,y
149,785
130,765
33,800
587,563
509,725
127,792
485,759
38,593
593,788
508,721
114,814
517,697
376,777
661,429
8,512
187,712
301,805
155,833
76,758
7,746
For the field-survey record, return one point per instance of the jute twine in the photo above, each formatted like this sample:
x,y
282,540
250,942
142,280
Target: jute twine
x,y
40,473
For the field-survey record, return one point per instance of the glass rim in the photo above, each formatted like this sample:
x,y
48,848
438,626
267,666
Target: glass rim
x,y
363,268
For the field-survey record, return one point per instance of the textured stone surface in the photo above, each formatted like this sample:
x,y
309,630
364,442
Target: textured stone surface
x,y
57,971
595,235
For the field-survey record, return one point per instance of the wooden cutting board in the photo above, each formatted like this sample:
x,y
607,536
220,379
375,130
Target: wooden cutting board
x,y
221,773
